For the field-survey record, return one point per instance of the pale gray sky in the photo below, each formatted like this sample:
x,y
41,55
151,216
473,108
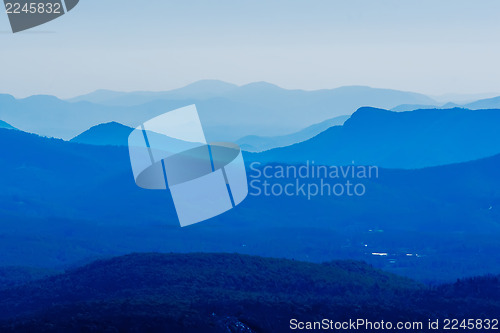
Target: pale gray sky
x,y
428,46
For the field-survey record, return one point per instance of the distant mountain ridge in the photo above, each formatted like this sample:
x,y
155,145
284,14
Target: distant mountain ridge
x,y
116,134
413,139
203,89
407,140
487,103
259,143
206,89
227,112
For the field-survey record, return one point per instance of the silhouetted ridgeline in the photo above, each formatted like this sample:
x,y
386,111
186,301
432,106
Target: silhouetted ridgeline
x,y
109,134
228,112
399,140
408,140
230,293
262,143
116,134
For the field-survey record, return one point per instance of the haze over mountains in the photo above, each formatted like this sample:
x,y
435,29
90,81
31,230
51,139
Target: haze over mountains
x,y
201,89
415,139
255,143
227,112
408,140
487,103
67,202
115,134
261,94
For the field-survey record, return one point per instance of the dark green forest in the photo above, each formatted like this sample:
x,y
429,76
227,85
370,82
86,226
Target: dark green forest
x,y
231,293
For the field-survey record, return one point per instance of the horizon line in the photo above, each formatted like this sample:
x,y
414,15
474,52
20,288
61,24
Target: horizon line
x,y
433,96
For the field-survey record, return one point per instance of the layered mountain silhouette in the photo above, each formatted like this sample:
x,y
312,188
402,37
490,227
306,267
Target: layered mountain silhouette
x,y
408,140
413,107
204,89
64,203
260,143
486,103
227,112
489,103
268,94
52,117
231,293
116,134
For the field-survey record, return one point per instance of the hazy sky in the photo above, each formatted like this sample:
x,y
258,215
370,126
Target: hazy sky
x,y
428,46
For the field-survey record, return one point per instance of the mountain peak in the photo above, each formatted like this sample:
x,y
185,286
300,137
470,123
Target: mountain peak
x,y
106,134
368,110
111,124
260,85
42,99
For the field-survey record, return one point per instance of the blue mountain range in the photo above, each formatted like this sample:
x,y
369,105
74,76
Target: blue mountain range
x,y
228,112
486,103
66,203
116,134
432,211
255,143
408,140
